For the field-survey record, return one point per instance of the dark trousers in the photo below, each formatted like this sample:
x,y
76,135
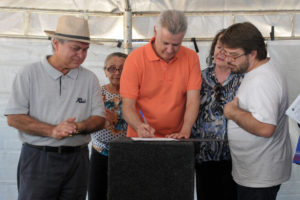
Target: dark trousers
x,y
267,193
214,181
97,189
46,175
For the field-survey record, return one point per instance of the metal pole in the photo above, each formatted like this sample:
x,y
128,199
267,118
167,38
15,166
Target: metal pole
x,y
127,28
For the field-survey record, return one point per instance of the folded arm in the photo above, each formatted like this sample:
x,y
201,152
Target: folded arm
x,y
32,126
246,121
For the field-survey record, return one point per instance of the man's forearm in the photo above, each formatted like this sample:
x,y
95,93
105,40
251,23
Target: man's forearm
x,y
131,116
191,111
143,129
246,121
29,125
92,124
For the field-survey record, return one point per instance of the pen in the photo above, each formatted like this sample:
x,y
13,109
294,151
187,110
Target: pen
x,y
148,128
143,116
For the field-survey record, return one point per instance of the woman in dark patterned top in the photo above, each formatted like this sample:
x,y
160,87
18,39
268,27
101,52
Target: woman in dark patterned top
x,y
115,127
213,161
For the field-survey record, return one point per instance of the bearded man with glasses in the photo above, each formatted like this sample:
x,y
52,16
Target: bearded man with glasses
x,y
257,125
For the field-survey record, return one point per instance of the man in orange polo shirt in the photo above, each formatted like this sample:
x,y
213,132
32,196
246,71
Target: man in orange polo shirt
x,y
161,81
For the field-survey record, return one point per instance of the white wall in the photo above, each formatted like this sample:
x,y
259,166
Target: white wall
x,y
17,52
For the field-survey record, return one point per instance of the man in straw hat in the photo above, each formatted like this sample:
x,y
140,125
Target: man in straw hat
x,y
54,104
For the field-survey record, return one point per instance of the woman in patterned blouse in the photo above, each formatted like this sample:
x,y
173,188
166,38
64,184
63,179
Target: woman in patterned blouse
x,y
213,161
115,127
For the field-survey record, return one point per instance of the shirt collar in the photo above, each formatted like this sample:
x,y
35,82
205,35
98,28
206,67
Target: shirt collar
x,y
150,51
55,74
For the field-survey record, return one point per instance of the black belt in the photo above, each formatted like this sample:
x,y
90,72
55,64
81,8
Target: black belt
x,y
60,149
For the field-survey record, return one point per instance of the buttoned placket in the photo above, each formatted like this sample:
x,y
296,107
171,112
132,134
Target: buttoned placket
x,y
60,85
165,68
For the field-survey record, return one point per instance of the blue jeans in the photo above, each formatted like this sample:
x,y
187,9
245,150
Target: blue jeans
x,y
51,175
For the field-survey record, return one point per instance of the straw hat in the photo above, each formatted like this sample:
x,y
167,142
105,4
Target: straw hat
x,y
71,28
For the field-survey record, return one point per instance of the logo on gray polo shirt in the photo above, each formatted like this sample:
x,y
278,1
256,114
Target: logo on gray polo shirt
x,y
80,100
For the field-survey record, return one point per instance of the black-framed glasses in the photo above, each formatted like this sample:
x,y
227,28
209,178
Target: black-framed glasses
x,y
113,69
230,57
233,58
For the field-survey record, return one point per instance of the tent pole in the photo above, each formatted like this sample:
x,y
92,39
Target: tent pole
x,y
127,28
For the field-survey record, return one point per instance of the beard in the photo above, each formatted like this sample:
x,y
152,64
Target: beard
x,y
241,68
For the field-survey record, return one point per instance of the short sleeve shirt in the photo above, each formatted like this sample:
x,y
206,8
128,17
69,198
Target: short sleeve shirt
x,y
114,128
45,94
211,122
259,161
160,88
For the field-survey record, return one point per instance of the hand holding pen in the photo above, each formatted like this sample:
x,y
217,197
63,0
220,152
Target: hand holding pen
x,y
145,130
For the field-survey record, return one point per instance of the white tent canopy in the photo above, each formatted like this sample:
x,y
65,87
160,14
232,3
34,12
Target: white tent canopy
x,y
22,41
28,18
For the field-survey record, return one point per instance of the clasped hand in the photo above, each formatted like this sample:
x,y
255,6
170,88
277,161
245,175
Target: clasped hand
x,y
65,129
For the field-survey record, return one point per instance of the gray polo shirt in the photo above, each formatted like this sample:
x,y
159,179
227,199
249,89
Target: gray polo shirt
x,y
44,93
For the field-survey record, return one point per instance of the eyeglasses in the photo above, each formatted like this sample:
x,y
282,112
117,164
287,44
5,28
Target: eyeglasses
x,y
233,58
230,57
113,69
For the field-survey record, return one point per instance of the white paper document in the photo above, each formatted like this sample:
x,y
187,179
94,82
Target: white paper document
x,y
153,139
294,110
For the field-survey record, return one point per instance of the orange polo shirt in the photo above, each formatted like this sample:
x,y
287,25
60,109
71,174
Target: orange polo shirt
x,y
160,88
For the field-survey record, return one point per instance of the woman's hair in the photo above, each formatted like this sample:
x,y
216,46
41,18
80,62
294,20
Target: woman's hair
x,y
210,58
118,54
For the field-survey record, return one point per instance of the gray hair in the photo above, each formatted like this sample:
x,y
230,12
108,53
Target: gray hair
x,y
117,54
173,20
61,41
